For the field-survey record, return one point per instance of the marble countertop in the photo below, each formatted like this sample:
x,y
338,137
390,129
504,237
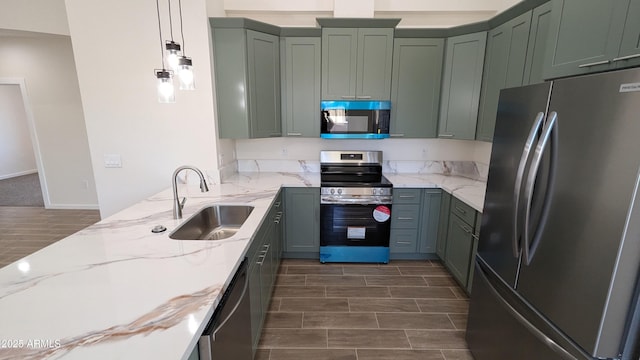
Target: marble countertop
x,y
116,290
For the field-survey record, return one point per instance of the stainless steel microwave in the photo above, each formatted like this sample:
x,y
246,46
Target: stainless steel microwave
x,y
355,119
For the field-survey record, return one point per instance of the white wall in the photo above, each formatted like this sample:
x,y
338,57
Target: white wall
x,y
45,16
46,63
118,91
16,151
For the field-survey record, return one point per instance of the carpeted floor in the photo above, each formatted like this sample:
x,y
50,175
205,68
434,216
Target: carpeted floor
x,y
21,191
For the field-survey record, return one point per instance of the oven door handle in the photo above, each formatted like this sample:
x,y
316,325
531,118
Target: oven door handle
x,y
367,201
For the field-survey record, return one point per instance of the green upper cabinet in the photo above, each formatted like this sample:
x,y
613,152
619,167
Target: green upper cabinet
x,y
630,47
461,85
585,36
534,66
415,87
247,79
356,63
264,84
300,86
503,67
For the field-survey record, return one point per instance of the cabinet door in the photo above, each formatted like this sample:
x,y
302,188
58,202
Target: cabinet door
x,y
459,247
430,218
405,216
461,86
373,65
443,225
585,36
339,51
267,268
540,22
503,67
255,299
302,206
474,250
301,86
415,87
229,57
263,52
630,47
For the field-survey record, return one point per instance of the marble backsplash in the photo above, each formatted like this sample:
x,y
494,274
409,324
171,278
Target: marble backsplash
x,y
469,169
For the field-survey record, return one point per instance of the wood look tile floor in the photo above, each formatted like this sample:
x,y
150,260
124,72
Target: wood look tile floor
x,y
25,230
405,310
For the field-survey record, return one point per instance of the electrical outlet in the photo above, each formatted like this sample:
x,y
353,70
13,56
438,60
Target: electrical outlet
x,y
85,184
284,152
112,161
424,153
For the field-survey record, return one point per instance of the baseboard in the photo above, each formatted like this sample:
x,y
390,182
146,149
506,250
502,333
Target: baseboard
x,y
20,173
73,207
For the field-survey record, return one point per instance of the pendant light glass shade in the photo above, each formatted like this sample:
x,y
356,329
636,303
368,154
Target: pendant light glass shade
x,y
173,55
185,74
166,91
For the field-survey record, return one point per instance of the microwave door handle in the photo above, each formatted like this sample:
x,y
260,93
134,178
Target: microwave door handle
x,y
526,153
529,248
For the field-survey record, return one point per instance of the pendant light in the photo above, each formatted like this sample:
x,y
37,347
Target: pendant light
x,y
166,92
185,65
172,47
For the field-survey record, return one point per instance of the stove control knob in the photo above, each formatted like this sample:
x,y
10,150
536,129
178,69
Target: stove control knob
x,y
333,191
339,191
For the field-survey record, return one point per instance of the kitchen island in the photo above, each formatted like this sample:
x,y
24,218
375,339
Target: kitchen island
x,y
116,290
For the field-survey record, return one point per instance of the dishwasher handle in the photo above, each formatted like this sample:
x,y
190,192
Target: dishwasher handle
x,y
235,307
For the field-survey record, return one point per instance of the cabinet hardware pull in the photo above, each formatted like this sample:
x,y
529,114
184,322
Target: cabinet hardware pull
x,y
476,237
261,262
403,242
348,96
277,204
461,209
404,218
625,57
363,97
466,229
603,62
407,196
445,135
396,135
294,134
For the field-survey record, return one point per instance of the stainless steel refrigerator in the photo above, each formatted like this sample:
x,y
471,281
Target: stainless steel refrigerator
x,y
556,272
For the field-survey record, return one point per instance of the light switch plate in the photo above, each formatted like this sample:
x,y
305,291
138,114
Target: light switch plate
x,y
112,161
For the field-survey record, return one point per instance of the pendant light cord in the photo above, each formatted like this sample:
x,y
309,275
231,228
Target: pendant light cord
x,y
160,32
184,47
170,22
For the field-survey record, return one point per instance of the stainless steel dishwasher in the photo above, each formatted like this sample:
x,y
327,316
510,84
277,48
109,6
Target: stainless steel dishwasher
x,y
228,334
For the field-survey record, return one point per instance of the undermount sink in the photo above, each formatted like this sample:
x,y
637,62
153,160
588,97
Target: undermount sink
x,y
214,222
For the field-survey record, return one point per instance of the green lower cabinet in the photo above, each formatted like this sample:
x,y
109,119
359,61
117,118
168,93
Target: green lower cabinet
x,y
429,220
443,225
414,223
476,239
302,225
459,248
255,298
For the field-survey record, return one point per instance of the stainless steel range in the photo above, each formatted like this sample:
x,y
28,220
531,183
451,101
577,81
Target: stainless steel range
x,y
355,207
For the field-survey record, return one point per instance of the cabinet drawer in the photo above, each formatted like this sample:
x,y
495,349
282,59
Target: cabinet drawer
x,y
403,241
405,216
464,211
406,196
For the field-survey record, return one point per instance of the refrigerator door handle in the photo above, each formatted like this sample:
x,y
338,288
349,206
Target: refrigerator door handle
x,y
526,152
521,319
550,128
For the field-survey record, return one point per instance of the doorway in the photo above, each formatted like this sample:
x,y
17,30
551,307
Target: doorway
x,y
22,179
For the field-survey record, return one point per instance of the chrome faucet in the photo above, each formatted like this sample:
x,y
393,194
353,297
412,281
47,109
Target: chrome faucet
x,y
177,204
